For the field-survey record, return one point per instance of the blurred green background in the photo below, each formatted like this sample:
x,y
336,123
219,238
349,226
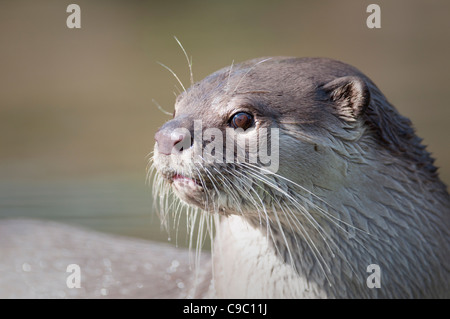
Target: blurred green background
x,y
76,112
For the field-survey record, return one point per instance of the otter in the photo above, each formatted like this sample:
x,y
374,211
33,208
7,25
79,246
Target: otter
x,y
352,208
355,188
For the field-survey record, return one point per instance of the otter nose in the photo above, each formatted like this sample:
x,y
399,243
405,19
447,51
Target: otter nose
x,y
172,141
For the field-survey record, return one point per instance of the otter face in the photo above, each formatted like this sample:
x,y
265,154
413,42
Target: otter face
x,y
244,136
338,180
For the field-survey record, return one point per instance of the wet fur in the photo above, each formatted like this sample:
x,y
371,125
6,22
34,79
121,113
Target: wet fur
x,y
365,190
355,187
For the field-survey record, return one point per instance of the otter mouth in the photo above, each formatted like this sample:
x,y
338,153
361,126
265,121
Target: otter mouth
x,y
182,181
187,188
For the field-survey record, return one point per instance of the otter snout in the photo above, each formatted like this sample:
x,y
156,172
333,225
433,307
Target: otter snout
x,y
172,138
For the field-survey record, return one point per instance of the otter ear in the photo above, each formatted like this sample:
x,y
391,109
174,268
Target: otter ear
x,y
350,96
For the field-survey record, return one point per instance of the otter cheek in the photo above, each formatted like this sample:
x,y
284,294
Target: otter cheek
x,y
306,162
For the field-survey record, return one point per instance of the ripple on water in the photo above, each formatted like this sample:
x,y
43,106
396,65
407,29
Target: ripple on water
x,y
104,292
26,267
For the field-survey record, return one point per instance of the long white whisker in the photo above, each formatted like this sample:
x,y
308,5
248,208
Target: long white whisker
x,y
160,108
308,240
174,74
309,202
229,75
187,58
316,225
249,72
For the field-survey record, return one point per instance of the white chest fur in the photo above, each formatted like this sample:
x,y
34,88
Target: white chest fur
x,y
245,266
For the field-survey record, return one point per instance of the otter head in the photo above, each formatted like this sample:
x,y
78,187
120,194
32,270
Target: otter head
x,y
311,150
243,137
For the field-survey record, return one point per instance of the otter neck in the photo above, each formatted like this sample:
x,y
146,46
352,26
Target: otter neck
x,y
366,228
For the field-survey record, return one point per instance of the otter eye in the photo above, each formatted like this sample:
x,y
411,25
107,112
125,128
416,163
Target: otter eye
x,y
241,120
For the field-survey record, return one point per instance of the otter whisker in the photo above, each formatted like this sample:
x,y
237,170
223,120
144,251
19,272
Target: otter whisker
x,y
149,156
308,240
264,179
250,69
231,189
212,183
259,209
310,219
160,108
174,74
289,181
249,184
150,170
192,218
280,227
178,90
317,226
311,203
206,190
200,240
332,219
188,61
267,218
228,77
177,218
266,215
